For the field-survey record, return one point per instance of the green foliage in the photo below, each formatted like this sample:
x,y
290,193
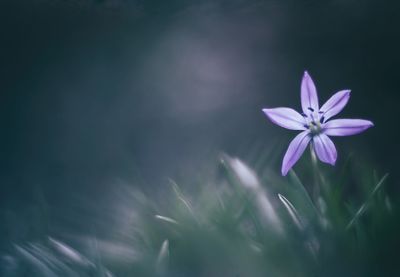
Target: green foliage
x,y
240,225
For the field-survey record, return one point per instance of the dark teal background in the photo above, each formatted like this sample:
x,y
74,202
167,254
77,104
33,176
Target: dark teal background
x,y
94,92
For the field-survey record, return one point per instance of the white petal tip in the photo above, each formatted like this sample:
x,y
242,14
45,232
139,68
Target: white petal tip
x,y
369,124
335,159
284,171
266,112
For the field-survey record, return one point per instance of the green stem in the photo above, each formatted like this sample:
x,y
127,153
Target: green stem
x,y
316,190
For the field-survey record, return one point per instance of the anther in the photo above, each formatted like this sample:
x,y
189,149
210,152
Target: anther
x,y
311,109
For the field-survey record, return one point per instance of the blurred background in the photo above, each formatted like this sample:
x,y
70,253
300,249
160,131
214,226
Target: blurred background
x,y
93,93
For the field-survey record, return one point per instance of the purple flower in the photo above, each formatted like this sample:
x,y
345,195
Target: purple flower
x,y
314,124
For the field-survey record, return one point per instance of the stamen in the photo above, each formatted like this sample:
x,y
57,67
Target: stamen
x,y
322,119
313,123
304,115
306,126
312,115
320,112
311,109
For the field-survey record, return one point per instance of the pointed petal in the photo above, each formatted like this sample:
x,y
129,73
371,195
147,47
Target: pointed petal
x,y
335,104
309,97
346,127
325,149
295,150
286,118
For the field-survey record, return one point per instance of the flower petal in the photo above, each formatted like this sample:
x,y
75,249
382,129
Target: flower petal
x,y
335,104
286,118
325,149
295,150
309,97
346,127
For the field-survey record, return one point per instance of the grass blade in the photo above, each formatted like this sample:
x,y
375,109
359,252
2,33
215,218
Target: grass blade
x,y
364,206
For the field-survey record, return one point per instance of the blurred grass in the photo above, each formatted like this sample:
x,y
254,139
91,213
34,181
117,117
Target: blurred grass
x,y
242,224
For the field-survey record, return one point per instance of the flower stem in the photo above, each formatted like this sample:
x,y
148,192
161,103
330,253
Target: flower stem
x,y
316,186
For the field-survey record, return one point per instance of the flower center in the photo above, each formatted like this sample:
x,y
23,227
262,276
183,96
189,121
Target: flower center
x,y
314,127
314,121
